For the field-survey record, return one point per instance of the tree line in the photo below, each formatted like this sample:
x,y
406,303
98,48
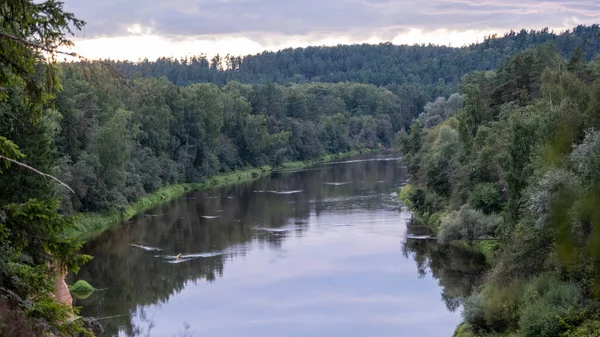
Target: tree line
x,y
514,173
416,74
114,140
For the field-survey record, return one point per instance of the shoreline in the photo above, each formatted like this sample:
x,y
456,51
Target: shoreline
x,y
91,225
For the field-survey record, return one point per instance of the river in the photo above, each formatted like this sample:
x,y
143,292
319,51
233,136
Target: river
x,y
316,252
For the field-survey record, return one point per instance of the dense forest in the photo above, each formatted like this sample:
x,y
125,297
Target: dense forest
x,y
416,74
506,160
117,141
514,173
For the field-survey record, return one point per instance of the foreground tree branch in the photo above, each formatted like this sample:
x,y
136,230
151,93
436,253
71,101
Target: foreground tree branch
x,y
37,171
51,49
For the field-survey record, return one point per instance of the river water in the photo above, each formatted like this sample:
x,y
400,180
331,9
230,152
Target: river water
x,y
316,252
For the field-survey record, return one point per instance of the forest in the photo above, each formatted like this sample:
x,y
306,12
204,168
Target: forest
x,y
514,174
417,74
501,138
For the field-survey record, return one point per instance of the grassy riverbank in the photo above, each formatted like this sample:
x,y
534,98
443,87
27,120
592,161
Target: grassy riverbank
x,y
91,225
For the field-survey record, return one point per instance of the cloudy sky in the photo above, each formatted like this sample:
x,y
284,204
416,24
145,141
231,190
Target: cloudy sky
x,y
132,29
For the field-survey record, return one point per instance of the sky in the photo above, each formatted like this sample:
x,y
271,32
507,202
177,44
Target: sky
x,y
135,29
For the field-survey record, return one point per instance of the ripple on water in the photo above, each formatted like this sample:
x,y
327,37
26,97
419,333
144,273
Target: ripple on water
x,y
146,248
188,257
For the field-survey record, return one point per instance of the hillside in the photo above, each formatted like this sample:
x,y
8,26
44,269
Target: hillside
x,y
416,74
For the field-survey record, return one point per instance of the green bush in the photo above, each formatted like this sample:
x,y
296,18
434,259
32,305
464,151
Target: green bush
x,y
468,224
463,330
406,194
81,289
486,198
493,309
545,300
589,328
473,313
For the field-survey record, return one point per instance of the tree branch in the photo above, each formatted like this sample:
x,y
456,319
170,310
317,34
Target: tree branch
x,y
37,46
37,171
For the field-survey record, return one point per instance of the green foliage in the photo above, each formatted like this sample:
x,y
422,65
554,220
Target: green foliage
x,y
90,225
589,328
486,198
545,300
463,330
493,309
416,74
81,289
524,178
469,225
33,248
32,35
406,195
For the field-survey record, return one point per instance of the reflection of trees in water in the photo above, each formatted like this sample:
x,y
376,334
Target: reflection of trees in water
x,y
134,278
458,270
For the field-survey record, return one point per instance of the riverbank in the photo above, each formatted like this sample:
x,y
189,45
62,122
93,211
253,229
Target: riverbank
x,y
408,195
91,225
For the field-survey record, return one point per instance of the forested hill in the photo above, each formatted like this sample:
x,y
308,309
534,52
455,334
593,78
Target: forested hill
x,y
515,174
416,74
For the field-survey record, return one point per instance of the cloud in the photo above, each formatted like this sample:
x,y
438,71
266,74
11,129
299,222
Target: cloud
x,y
277,23
301,17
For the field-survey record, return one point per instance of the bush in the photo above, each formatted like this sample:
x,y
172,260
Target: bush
x,y
473,313
486,198
468,224
589,328
81,289
545,300
493,309
406,194
463,330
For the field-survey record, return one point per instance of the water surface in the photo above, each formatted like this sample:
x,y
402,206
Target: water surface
x,y
316,252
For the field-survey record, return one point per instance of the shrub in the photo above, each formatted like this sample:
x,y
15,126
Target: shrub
x,y
468,224
545,300
493,309
486,198
463,330
473,312
406,194
589,328
81,289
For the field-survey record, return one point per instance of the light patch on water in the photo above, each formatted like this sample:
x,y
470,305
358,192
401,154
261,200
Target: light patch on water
x,y
273,230
154,215
210,216
146,248
364,160
279,192
420,237
338,184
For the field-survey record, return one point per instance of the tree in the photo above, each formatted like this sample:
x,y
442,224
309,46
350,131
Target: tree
x,y
31,232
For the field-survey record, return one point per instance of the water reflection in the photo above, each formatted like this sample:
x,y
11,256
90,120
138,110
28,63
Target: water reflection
x,y
458,270
315,252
